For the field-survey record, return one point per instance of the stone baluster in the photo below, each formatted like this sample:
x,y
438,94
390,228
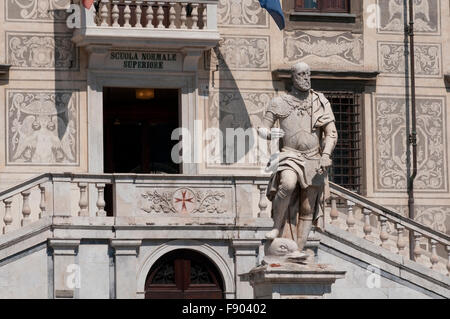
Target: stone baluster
x,y
334,213
26,209
384,236
194,15
138,4
183,17
262,201
115,14
434,259
401,242
101,200
448,261
160,15
7,219
350,217
104,13
83,203
42,205
149,15
127,14
417,252
367,227
172,15
204,16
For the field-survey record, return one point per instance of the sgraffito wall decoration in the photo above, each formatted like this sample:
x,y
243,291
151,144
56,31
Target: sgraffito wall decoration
x,y
391,59
344,48
391,144
41,51
426,16
236,109
37,10
242,54
42,128
241,13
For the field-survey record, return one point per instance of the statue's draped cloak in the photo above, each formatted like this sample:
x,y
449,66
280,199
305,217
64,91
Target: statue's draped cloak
x,y
304,164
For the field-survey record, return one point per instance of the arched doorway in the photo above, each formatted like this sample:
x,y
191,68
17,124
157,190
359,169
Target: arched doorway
x,y
183,274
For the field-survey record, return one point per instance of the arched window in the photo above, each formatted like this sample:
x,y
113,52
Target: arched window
x,y
183,274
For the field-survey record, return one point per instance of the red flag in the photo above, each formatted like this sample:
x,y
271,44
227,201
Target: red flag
x,y
88,3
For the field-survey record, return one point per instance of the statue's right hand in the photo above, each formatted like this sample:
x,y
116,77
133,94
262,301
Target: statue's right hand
x,y
276,133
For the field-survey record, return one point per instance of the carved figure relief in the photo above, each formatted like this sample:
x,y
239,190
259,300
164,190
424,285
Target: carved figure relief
x,y
346,47
242,54
41,51
392,17
40,10
241,13
183,201
392,59
390,132
42,128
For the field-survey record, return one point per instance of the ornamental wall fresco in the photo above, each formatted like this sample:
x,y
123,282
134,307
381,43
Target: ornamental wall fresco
x,y
36,10
390,144
392,16
42,128
41,51
344,47
241,13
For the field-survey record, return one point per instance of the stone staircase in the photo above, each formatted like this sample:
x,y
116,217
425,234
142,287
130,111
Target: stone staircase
x,y
69,205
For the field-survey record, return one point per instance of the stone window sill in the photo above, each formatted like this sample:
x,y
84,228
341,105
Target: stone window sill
x,y
322,17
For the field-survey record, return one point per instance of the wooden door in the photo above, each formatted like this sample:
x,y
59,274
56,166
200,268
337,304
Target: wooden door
x,y
183,274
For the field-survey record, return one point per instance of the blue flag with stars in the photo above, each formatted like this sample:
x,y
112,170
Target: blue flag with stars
x,y
274,9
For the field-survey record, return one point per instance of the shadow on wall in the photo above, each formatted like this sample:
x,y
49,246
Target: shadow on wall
x,y
43,123
231,113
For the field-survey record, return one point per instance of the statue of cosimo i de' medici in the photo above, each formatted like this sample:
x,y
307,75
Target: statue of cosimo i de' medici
x,y
309,136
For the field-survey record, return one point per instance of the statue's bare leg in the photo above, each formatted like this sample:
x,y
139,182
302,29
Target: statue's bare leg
x,y
280,204
308,200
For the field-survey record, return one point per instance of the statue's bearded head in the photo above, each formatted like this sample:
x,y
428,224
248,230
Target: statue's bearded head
x,y
301,76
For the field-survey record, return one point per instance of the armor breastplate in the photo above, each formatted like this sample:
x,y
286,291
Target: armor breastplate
x,y
298,132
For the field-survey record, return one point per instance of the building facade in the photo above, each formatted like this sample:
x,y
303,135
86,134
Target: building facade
x,y
105,200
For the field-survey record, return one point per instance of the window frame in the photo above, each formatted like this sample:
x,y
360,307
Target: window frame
x,y
322,8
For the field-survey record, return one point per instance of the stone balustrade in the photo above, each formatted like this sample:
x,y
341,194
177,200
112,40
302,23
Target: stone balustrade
x,y
137,200
387,229
152,14
130,22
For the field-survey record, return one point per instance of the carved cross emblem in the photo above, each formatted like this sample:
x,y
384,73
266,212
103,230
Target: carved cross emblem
x,y
185,200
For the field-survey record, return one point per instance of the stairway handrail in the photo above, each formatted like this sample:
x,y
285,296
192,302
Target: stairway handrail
x,y
390,214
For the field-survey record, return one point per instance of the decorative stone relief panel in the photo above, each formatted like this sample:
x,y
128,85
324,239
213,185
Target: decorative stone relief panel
x,y
391,59
187,201
242,54
345,47
237,109
36,10
392,20
41,51
42,128
391,144
241,13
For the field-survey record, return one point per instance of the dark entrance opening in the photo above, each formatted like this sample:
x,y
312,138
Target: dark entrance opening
x,y
138,124
183,274
137,131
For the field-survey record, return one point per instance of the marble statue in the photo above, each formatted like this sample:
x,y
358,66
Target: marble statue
x,y
308,135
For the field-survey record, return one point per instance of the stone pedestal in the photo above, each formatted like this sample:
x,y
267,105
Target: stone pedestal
x,y
126,252
66,271
292,281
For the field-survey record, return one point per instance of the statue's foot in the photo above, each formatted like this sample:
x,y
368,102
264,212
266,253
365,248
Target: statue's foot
x,y
272,234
